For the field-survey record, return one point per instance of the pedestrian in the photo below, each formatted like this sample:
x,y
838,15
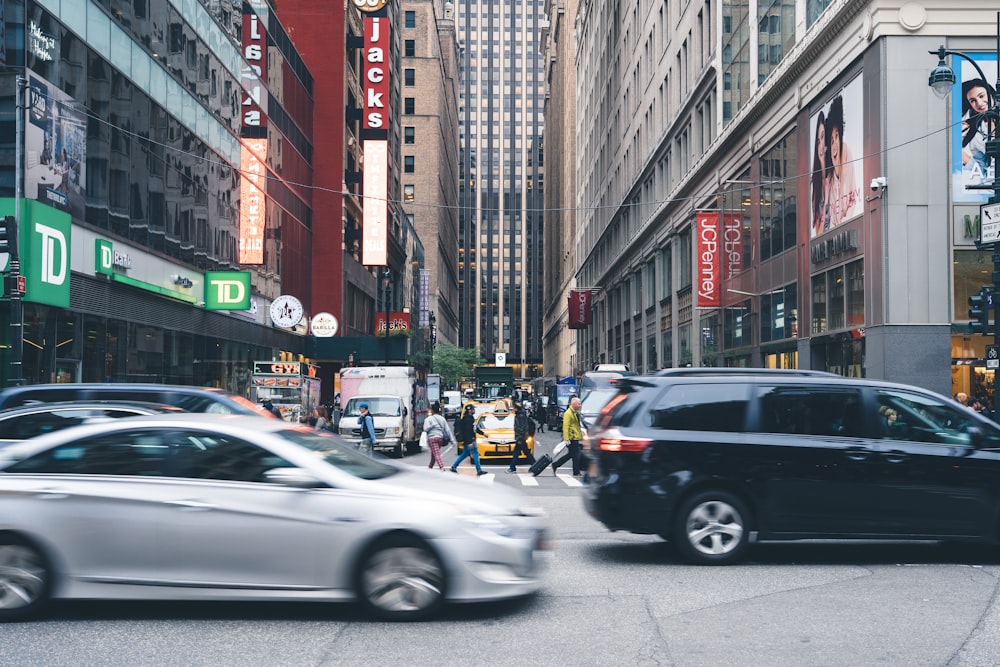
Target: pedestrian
x,y
269,406
962,398
573,435
322,419
538,414
520,437
465,433
367,423
437,430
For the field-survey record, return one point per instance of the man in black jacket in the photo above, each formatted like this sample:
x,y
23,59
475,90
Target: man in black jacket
x,y
520,437
465,433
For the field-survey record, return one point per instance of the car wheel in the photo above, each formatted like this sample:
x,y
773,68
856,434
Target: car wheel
x,y
401,578
712,528
25,579
397,451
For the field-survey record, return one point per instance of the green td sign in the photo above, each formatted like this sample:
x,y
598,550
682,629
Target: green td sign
x,y
227,290
45,253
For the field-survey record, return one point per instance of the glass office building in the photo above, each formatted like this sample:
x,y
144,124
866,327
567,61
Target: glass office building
x,y
137,138
502,180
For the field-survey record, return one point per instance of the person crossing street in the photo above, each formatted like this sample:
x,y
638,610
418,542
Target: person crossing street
x,y
520,437
573,435
465,433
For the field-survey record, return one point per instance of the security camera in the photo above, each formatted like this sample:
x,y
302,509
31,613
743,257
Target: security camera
x,y
878,183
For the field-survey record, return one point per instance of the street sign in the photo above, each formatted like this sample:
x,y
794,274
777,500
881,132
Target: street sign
x,y
989,223
992,356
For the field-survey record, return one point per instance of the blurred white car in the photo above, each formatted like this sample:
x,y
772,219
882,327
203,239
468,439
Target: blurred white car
x,y
214,507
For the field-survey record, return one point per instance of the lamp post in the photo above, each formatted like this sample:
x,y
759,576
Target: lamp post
x,y
433,341
386,284
941,81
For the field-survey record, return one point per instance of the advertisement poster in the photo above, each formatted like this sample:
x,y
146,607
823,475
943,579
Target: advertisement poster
x,y
836,152
55,143
969,99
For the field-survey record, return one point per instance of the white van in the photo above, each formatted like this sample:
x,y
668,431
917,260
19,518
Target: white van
x,y
451,403
397,399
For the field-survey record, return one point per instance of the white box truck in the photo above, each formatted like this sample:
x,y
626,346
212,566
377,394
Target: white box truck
x,y
397,401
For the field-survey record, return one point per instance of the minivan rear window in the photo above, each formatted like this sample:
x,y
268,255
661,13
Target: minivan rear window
x,y
702,407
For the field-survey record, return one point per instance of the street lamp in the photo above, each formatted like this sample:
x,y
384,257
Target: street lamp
x,y
941,81
433,341
386,284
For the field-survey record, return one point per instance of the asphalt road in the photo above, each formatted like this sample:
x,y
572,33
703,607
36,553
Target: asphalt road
x,y
609,599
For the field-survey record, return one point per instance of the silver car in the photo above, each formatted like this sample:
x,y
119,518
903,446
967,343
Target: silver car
x,y
213,507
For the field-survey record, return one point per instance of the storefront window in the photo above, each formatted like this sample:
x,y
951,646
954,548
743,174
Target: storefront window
x,y
779,314
856,293
668,349
736,325
819,304
835,289
684,344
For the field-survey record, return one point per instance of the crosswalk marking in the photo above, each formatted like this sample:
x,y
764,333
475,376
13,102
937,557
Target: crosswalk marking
x,y
569,480
526,479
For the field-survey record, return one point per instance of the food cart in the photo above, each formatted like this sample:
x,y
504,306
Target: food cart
x,y
292,386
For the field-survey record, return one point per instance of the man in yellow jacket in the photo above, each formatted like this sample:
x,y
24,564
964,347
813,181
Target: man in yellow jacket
x,y
573,434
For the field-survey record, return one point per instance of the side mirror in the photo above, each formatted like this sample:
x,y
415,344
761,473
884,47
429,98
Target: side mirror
x,y
404,411
294,477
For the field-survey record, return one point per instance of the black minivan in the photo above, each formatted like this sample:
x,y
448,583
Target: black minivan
x,y
714,461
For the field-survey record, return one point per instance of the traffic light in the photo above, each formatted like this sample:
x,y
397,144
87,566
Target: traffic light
x,y
8,236
979,310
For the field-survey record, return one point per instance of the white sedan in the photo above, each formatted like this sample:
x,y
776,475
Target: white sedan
x,y
212,507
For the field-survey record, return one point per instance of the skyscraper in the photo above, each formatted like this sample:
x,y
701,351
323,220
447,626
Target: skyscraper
x,y
502,179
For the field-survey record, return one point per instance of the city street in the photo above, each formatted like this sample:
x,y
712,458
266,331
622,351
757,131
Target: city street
x,y
610,599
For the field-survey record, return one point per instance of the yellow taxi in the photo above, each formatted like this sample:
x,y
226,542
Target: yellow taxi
x,y
499,406
495,435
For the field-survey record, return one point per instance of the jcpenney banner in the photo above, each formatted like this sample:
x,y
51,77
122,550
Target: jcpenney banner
x,y
720,254
709,260
581,311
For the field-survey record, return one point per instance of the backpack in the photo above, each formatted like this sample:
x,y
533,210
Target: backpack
x,y
531,427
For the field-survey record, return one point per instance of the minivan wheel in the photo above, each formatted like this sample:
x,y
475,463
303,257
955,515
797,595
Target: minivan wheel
x,y
25,579
712,528
401,579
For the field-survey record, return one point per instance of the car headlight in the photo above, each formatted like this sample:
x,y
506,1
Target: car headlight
x,y
394,430
479,522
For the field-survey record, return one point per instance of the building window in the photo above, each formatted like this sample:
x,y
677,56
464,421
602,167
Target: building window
x,y
409,76
408,164
736,83
778,169
814,8
775,34
409,135
408,106
409,48
408,193
410,19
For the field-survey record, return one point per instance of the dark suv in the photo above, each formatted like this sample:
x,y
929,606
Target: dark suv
x,y
712,460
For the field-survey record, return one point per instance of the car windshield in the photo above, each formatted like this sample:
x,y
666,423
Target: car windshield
x,y
491,422
596,399
339,455
377,407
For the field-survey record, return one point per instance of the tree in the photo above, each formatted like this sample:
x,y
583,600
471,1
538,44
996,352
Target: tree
x,y
453,362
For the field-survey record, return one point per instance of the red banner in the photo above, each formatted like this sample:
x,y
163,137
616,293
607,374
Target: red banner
x,y
398,322
376,73
581,311
709,264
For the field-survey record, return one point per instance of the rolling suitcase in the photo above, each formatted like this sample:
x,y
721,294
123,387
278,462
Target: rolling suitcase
x,y
540,465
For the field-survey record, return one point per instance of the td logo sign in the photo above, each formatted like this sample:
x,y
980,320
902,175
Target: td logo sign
x,y
45,254
227,290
